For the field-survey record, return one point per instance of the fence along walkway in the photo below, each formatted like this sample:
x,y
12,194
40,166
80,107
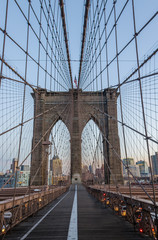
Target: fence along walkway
x,y
60,220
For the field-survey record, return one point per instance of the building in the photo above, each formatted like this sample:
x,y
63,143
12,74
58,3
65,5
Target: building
x,y
57,166
154,160
143,168
56,169
25,168
134,169
23,176
14,165
99,175
128,161
8,180
50,178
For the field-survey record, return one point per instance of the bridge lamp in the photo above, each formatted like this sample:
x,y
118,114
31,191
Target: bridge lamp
x,y
138,215
107,201
123,213
3,229
116,208
153,232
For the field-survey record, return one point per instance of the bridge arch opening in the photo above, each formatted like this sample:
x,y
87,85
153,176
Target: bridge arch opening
x,y
92,153
59,156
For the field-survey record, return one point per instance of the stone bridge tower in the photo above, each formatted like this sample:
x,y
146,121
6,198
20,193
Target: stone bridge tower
x,y
53,106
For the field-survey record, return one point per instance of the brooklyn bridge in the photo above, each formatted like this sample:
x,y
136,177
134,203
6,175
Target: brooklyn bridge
x,y
78,119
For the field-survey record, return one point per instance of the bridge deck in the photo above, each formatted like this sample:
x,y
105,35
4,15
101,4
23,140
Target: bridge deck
x,y
94,221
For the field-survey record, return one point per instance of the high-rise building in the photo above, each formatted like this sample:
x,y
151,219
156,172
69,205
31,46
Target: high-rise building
x,y
143,168
56,166
14,165
50,178
154,160
56,170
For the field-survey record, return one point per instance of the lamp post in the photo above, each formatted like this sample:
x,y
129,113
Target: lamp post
x,y
47,145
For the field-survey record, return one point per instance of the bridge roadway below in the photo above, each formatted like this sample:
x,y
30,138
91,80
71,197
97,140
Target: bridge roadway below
x,y
74,215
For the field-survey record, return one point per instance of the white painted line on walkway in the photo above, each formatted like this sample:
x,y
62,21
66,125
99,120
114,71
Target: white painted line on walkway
x,y
25,236
73,226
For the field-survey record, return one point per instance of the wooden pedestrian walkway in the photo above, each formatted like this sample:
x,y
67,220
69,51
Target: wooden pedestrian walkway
x,y
75,215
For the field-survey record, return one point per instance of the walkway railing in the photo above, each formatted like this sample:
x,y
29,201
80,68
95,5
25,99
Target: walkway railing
x,y
139,212
25,206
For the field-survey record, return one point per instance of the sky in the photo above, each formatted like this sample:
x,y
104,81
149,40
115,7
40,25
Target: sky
x,y
75,18
75,13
